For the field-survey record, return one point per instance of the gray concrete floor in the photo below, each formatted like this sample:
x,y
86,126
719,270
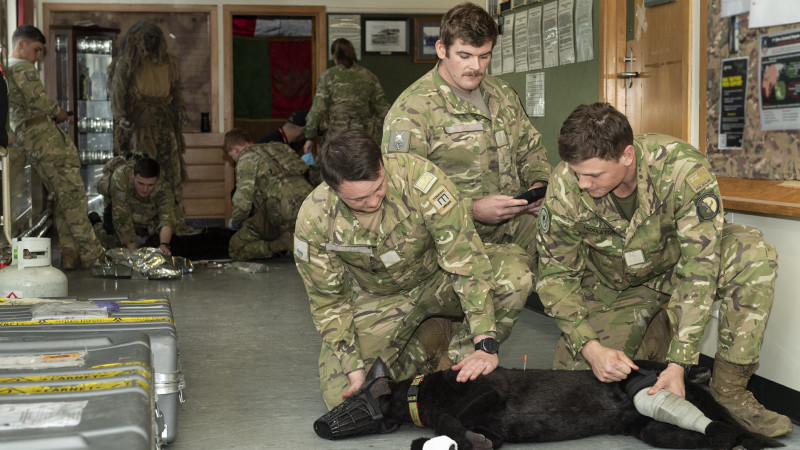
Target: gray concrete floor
x,y
249,354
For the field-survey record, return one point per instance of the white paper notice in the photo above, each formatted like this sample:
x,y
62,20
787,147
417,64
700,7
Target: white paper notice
x,y
768,13
521,41
535,38
41,415
733,7
550,35
534,94
497,58
583,30
566,45
508,46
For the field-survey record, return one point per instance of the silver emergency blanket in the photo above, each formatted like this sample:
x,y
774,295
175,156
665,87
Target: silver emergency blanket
x,y
145,262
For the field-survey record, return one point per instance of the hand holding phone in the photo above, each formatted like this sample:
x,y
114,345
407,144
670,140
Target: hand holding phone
x,y
533,194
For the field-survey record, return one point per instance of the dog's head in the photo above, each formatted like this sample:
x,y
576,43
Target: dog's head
x,y
362,412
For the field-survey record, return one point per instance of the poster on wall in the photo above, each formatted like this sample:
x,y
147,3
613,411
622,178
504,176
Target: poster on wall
x,y
534,94
733,96
779,74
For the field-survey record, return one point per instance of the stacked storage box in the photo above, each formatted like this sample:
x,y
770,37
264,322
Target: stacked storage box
x,y
152,317
77,392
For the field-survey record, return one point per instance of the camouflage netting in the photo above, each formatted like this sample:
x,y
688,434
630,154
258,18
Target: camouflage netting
x,y
764,154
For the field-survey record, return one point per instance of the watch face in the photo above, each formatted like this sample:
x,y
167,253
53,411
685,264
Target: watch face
x,y
488,345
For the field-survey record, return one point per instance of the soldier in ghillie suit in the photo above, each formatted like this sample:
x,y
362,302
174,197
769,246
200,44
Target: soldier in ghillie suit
x,y
632,223
348,97
49,150
147,102
270,187
386,242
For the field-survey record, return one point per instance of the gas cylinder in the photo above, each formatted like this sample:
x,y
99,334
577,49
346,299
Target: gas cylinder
x,y
31,273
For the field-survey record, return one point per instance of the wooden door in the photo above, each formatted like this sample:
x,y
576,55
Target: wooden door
x,y
659,99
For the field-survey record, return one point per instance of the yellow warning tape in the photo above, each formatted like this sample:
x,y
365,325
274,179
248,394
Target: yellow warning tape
x,y
156,300
87,320
75,376
130,363
84,387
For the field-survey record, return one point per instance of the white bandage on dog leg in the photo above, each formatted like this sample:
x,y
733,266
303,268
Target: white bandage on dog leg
x,y
440,443
665,406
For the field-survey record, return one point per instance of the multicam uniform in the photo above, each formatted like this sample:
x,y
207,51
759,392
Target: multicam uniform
x,y
369,291
272,176
603,277
257,164
131,212
347,98
483,156
52,153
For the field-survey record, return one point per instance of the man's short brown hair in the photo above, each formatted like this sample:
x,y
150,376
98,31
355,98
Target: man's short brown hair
x,y
470,23
351,155
236,136
594,131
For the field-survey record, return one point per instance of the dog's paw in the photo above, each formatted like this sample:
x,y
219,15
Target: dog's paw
x,y
437,443
478,441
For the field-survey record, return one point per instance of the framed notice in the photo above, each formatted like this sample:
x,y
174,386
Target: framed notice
x,y
426,33
385,36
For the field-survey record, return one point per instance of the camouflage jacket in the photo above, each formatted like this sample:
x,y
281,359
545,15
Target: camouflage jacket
x,y
426,233
27,98
346,99
263,170
484,156
671,244
129,210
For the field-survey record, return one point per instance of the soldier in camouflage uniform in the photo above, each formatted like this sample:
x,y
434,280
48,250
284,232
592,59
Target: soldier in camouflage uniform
x,y
472,125
141,204
348,97
49,150
147,101
270,182
384,244
630,224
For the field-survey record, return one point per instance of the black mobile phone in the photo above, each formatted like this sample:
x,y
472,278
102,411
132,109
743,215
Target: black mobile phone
x,y
533,195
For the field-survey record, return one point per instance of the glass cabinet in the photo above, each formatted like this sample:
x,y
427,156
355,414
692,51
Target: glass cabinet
x,y
76,75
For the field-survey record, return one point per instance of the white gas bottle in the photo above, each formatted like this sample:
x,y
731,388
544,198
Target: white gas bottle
x,y
31,273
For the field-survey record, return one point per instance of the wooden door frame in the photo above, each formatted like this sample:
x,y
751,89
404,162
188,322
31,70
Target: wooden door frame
x,y
319,44
613,39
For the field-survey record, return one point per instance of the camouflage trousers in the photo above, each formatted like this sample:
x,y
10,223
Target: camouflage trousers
x,y
260,237
55,158
744,289
385,324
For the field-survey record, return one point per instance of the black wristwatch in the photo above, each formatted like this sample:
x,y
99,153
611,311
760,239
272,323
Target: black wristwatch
x,y
488,345
165,244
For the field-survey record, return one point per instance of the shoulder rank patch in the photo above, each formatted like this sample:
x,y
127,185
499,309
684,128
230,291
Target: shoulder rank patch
x,y
31,75
699,179
300,249
425,182
442,199
544,219
707,206
120,195
398,141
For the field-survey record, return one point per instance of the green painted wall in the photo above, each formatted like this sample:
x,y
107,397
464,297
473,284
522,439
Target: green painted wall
x,y
565,86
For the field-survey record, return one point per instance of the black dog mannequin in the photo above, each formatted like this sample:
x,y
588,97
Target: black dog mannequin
x,y
512,405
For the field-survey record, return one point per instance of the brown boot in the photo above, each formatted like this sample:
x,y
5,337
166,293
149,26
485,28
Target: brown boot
x,y
729,388
434,333
69,258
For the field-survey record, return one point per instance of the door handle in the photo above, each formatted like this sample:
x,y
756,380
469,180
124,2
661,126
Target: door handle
x,y
628,75
629,72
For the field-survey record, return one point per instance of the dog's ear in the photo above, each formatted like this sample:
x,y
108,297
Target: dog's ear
x,y
378,370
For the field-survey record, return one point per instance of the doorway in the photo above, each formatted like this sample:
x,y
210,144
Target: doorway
x,y
318,44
